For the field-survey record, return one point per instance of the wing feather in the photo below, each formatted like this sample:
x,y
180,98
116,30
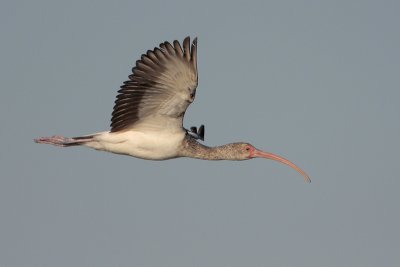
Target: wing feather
x,y
159,90
168,47
186,48
178,48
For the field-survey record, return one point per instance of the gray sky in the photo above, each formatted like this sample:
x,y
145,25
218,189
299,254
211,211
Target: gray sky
x,y
314,81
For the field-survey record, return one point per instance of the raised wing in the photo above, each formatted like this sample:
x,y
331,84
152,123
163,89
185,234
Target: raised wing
x,y
159,90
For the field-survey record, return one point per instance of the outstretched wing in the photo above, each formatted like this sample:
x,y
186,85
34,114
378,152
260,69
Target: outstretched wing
x,y
159,90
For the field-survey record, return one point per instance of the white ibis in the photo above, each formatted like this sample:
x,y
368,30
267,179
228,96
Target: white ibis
x,y
147,121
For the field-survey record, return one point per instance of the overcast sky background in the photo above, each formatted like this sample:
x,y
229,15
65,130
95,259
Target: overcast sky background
x,y
314,81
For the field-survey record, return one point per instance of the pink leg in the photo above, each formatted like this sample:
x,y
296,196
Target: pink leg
x,y
58,140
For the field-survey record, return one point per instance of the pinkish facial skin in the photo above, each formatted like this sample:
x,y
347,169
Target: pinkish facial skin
x,y
255,153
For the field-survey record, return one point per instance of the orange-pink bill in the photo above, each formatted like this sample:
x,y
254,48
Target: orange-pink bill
x,y
261,154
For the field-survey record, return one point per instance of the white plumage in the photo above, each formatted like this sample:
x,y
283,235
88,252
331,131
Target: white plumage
x,y
147,121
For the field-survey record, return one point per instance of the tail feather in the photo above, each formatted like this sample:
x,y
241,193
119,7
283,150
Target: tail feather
x,y
62,141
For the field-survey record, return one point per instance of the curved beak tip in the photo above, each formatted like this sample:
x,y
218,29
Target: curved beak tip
x,y
267,155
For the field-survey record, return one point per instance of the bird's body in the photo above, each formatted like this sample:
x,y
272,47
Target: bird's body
x,y
151,145
147,121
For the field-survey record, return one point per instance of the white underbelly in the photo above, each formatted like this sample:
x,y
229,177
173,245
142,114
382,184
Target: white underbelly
x,y
156,145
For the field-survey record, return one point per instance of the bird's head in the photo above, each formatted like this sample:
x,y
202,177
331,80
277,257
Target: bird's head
x,y
246,151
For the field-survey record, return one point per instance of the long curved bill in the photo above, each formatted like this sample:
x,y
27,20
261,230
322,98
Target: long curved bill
x,y
261,154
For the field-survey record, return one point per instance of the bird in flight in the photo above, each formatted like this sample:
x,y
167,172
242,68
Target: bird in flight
x,y
147,120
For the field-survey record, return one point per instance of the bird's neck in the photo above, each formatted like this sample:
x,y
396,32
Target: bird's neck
x,y
193,149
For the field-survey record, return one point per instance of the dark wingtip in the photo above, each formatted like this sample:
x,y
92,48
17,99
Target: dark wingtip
x,y
193,129
201,132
